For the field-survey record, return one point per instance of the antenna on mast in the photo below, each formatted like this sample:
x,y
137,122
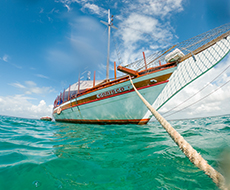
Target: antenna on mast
x,y
109,24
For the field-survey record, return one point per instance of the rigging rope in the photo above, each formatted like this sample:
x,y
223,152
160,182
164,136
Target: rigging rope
x,y
190,69
165,113
117,49
187,46
200,98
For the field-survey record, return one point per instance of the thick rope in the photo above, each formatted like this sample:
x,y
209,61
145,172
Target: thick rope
x,y
186,148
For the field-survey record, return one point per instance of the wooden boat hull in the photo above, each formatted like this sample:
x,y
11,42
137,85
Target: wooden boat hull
x,y
46,118
114,104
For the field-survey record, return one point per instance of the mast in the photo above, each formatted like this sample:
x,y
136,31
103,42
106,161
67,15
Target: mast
x,y
109,24
107,67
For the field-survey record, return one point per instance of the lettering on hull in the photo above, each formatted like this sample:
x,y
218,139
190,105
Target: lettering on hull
x,y
114,91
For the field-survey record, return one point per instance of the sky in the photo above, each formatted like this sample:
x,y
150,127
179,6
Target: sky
x,y
46,45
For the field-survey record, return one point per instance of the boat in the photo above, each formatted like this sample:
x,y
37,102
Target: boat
x,y
158,77
46,118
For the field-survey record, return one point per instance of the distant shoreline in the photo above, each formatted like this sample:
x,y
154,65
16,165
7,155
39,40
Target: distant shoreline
x,y
192,118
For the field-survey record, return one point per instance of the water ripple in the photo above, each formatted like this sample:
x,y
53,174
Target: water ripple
x,y
47,155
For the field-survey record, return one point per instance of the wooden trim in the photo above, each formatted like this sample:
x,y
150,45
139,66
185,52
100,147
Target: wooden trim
x,y
144,60
157,68
162,54
120,121
127,71
94,78
78,89
69,93
124,79
205,46
94,97
115,70
125,92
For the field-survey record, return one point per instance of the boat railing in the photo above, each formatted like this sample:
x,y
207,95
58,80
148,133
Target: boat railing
x,y
68,95
62,98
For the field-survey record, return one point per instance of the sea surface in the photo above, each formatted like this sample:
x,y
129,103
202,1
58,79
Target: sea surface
x,y
47,155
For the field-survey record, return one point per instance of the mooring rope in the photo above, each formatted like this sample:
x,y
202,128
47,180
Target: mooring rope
x,y
186,148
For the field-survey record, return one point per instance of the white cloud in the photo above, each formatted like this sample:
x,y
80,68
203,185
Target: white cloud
x,y
135,25
42,76
30,83
41,11
141,33
153,47
20,106
5,58
144,24
18,85
67,6
71,1
94,9
53,10
115,5
161,8
17,66
31,87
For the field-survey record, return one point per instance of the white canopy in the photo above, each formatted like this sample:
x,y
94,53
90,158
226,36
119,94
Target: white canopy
x,y
84,84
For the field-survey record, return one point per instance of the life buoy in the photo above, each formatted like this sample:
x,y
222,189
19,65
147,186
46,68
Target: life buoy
x,y
59,110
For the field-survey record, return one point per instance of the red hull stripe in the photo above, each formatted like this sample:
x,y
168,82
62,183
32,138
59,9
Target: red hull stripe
x,y
126,121
116,94
124,92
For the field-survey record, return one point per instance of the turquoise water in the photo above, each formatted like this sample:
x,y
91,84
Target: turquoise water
x,y
40,155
